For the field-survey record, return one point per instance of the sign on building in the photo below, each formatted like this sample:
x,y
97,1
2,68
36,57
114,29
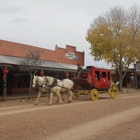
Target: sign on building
x,y
71,55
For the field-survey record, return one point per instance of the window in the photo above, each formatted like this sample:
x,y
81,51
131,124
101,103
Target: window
x,y
103,74
26,81
108,75
17,80
21,81
97,73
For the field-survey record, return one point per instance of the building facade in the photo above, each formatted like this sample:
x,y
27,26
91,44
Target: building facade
x,y
59,63
67,55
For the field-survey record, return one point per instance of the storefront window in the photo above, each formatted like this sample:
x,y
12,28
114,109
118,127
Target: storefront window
x,y
21,81
17,80
26,81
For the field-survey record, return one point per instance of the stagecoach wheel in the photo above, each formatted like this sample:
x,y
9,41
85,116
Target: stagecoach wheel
x,y
114,91
94,94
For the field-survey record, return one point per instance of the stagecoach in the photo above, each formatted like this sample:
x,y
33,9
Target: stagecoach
x,y
95,81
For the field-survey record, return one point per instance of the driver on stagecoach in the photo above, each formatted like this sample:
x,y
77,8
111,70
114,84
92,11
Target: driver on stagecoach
x,y
79,70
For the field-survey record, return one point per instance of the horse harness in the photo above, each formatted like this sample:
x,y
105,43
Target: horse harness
x,y
55,83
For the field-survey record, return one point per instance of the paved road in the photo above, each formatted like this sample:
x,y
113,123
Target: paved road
x,y
105,119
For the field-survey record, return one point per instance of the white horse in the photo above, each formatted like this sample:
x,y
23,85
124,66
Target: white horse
x,y
62,86
39,81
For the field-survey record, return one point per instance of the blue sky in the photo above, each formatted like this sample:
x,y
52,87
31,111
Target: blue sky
x,y
45,23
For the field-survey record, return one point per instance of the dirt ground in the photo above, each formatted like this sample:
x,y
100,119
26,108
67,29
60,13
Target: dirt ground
x,y
83,119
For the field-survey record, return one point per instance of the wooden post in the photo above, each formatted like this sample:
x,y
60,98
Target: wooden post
x,y
5,72
67,74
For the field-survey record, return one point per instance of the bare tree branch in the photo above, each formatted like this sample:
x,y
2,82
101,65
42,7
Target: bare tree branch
x,y
31,63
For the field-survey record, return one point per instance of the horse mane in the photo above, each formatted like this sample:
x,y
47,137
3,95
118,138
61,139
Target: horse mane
x,y
51,80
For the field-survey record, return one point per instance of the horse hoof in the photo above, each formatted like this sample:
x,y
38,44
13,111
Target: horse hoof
x,y
36,104
69,101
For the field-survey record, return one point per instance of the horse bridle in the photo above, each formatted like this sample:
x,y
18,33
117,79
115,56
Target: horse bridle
x,y
37,83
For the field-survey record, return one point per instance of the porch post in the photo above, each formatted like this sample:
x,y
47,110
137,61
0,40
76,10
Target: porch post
x,y
67,74
5,72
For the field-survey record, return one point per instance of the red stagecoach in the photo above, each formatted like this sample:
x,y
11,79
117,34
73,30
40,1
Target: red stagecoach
x,y
93,81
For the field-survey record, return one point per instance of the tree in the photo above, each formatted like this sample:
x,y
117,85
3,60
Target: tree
x,y
31,63
115,38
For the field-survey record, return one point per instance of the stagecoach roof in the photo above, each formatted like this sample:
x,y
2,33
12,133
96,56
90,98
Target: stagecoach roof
x,y
10,60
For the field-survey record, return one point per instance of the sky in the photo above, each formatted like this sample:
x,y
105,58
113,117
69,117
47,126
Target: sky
x,y
47,23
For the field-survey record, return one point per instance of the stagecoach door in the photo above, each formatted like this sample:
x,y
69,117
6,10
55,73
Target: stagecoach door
x,y
101,78
105,79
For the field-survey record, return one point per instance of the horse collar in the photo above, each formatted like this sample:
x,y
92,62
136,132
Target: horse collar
x,y
54,83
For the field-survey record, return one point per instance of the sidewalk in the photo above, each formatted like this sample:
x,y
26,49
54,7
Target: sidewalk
x,y
130,90
13,97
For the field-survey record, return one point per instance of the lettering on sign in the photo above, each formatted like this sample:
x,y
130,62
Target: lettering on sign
x,y
71,55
